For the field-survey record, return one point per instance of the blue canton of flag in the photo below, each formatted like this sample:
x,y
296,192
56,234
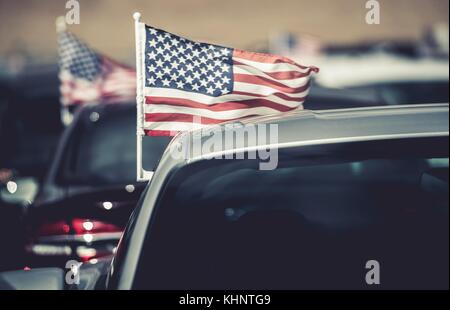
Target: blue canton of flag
x,y
77,58
178,63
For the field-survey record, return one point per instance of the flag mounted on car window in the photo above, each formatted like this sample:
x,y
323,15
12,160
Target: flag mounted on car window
x,y
88,77
188,85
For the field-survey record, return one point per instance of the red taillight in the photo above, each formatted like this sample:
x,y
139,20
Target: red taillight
x,y
83,226
87,239
77,227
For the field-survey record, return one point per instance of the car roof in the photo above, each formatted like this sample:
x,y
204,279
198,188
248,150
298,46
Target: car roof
x,y
306,127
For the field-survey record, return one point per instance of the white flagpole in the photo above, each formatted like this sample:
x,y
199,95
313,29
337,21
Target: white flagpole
x,y
141,174
66,116
61,24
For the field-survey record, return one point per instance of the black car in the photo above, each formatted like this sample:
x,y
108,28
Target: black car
x,y
90,190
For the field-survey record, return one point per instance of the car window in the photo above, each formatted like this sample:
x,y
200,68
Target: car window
x,y
313,223
103,149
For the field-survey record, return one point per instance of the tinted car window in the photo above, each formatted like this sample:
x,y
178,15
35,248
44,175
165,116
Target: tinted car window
x,y
102,150
313,223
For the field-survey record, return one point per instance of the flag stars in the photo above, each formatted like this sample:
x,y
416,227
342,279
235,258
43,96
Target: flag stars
x,y
160,50
190,67
167,57
226,80
189,79
225,68
196,75
177,63
218,84
189,57
180,84
166,82
182,72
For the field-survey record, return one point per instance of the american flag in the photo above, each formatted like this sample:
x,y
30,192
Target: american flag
x,y
190,85
88,77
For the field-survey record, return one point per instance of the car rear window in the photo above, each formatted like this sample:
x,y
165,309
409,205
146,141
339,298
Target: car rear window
x,y
102,150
